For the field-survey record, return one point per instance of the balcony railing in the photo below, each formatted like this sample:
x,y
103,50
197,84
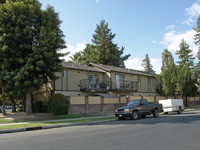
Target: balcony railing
x,y
123,85
105,86
94,86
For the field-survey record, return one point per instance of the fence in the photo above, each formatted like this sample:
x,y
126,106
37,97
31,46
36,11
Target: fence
x,y
102,105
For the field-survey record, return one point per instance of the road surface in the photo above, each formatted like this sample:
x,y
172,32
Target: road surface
x,y
170,132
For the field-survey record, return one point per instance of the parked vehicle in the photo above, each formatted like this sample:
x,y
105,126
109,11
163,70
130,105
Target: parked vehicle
x,y
139,108
172,105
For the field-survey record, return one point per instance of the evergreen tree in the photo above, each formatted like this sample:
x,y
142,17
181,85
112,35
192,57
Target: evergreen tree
x,y
29,42
103,50
184,54
197,42
146,63
167,77
83,57
166,57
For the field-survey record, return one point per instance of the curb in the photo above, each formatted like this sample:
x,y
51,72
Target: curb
x,y
54,126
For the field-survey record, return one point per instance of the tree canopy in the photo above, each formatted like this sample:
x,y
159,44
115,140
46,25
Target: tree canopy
x,y
29,42
103,50
146,63
185,55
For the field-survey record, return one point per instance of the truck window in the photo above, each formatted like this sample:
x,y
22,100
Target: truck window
x,y
144,102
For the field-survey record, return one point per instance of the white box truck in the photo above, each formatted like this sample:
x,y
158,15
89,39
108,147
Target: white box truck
x,y
172,105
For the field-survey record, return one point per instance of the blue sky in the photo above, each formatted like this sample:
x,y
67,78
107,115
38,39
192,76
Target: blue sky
x,y
141,26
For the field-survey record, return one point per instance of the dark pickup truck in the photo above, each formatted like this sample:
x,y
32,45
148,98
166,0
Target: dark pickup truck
x,y
139,108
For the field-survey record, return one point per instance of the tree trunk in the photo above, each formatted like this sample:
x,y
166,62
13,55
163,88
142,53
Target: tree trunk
x,y
28,103
13,104
4,99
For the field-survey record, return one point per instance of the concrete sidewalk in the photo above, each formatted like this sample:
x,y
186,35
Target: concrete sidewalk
x,y
3,131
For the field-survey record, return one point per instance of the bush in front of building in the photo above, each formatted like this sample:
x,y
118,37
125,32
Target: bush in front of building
x,y
40,107
58,104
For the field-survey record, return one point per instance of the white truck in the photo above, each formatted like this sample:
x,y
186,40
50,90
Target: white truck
x,y
172,105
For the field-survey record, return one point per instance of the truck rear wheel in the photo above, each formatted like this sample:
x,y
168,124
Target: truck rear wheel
x,y
156,113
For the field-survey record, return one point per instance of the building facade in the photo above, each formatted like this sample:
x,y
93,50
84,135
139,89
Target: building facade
x,y
82,80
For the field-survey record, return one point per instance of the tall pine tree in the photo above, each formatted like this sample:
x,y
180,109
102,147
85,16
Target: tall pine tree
x,y
103,50
146,63
167,77
185,55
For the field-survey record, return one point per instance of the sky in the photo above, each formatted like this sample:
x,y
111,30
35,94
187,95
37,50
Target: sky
x,y
141,26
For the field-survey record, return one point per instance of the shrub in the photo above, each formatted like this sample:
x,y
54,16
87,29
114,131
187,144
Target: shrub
x,y
58,104
39,107
20,108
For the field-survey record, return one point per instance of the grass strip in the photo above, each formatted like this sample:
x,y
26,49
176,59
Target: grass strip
x,y
51,123
7,121
69,116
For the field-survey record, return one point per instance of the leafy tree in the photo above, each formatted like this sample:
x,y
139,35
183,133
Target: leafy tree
x,y
146,63
167,77
29,42
77,58
83,57
184,54
103,50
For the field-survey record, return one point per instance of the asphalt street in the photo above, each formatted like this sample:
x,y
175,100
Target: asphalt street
x,y
170,132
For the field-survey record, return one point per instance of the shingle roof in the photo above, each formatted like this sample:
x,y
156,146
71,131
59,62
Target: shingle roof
x,y
119,69
71,65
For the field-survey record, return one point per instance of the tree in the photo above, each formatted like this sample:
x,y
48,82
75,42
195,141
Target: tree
x,y
166,57
83,57
29,42
103,50
184,54
167,77
146,63
197,42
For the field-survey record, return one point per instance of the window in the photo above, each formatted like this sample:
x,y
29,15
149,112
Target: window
x,y
65,74
134,86
119,81
64,80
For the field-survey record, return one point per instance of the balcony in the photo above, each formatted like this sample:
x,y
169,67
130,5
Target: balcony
x,y
106,86
123,85
94,86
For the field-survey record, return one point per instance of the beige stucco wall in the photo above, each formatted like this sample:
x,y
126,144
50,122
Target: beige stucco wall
x,y
111,100
135,97
77,100
149,98
144,84
123,99
94,100
197,98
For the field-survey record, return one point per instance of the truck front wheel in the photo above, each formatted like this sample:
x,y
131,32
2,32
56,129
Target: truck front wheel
x,y
135,115
156,113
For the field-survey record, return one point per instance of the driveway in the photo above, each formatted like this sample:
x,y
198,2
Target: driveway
x,y
179,132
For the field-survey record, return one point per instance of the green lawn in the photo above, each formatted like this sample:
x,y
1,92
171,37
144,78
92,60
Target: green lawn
x,y
7,121
193,108
51,123
69,116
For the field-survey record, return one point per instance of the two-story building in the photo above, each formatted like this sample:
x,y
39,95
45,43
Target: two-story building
x,y
81,80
